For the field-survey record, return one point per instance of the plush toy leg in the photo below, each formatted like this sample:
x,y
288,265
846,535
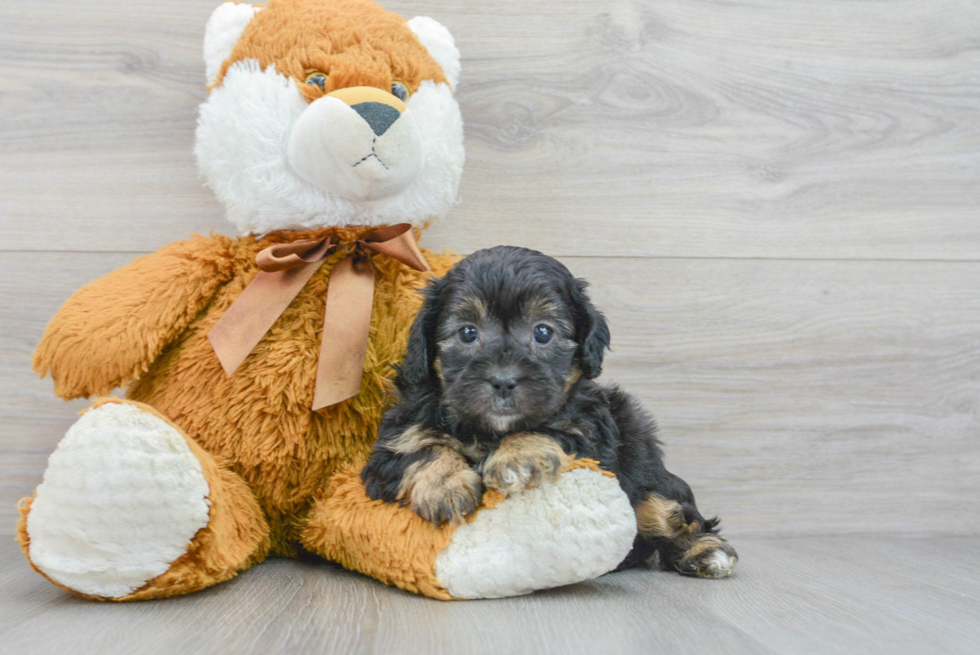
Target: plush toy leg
x,y
573,530
131,508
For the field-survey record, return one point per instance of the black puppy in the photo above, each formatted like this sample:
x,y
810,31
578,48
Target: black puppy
x,y
496,391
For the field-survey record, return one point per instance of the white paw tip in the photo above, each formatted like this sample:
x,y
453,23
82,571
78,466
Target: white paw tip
x,y
721,564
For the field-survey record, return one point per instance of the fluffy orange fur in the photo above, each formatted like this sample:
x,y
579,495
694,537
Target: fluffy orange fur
x,y
147,323
352,42
265,454
386,541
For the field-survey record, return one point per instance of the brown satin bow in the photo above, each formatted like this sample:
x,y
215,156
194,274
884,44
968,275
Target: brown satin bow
x,y
285,270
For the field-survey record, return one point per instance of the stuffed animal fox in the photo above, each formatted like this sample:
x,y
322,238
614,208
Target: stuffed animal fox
x,y
332,137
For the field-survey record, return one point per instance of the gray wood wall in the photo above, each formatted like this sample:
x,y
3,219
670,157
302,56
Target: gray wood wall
x,y
776,202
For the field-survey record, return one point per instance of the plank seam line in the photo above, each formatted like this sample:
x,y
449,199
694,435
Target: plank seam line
x,y
925,260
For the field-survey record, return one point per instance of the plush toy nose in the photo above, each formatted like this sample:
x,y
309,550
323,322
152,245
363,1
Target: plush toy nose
x,y
377,107
379,116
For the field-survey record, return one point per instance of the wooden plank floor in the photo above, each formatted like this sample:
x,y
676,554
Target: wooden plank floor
x,y
791,595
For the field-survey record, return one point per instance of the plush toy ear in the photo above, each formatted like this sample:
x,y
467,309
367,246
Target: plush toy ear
x,y
221,34
417,370
440,44
591,331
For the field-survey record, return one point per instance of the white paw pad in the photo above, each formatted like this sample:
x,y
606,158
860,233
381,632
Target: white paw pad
x,y
122,497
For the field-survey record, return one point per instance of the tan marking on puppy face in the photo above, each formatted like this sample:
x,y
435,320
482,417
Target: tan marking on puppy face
x,y
539,307
574,375
416,438
660,517
471,308
443,490
437,366
524,460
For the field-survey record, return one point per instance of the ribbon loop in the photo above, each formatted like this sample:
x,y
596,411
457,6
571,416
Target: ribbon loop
x,y
284,256
285,269
397,242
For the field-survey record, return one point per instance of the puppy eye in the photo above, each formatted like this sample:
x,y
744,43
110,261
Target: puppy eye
x,y
400,91
317,79
468,334
543,333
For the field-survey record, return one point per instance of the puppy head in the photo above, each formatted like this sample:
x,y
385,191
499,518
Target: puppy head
x,y
502,337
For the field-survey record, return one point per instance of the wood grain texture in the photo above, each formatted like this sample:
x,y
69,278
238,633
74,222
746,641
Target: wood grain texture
x,y
797,397
817,595
705,128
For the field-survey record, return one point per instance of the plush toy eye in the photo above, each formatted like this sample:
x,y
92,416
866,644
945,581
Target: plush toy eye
x,y
467,334
543,333
400,91
317,79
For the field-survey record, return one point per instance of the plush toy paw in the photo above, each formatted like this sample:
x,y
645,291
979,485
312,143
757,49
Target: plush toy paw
x,y
575,529
122,497
523,460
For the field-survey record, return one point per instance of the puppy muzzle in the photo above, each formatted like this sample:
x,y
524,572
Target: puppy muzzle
x,y
359,143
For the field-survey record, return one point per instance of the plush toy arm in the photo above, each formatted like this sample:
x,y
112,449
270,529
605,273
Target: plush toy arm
x,y
110,331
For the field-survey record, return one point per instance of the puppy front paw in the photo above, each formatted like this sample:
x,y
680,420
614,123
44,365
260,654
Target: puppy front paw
x,y
523,460
441,487
449,500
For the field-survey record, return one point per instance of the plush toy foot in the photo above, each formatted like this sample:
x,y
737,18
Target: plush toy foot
x,y
574,529
131,508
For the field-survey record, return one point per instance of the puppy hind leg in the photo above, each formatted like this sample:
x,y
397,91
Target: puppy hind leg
x,y
685,541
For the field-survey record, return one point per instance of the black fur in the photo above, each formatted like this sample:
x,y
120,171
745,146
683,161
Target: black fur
x,y
444,385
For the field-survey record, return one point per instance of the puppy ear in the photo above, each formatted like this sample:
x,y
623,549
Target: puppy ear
x,y
417,367
591,331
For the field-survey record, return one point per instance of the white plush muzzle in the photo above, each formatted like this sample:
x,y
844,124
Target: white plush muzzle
x,y
365,151
277,162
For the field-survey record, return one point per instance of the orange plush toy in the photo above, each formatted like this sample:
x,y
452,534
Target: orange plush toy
x,y
257,369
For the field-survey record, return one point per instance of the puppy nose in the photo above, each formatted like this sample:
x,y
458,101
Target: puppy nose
x,y
379,116
503,384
